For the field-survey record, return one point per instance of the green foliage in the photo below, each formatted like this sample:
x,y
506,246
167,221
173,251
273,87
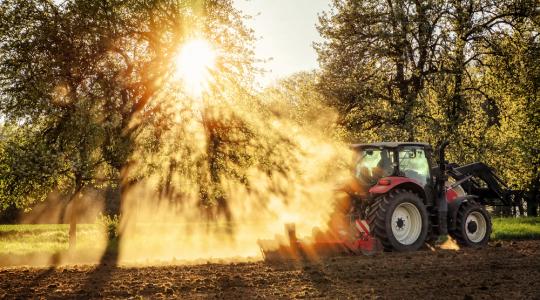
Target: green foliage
x,y
372,70
30,168
109,224
466,71
80,78
513,85
298,98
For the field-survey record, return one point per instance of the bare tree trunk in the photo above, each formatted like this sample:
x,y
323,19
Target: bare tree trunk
x,y
73,218
73,225
534,195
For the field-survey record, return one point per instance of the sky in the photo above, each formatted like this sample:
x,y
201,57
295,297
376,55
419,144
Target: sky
x,y
285,31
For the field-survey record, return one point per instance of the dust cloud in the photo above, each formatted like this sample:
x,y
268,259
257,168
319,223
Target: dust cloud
x,y
449,244
209,177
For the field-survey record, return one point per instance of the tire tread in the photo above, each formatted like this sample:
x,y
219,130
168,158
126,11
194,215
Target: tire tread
x,y
377,216
459,235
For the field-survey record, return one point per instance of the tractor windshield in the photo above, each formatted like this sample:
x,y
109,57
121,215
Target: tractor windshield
x,y
413,163
373,164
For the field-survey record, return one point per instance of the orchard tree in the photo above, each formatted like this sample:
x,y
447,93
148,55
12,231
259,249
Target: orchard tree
x,y
298,98
456,94
514,85
404,69
375,60
78,77
433,70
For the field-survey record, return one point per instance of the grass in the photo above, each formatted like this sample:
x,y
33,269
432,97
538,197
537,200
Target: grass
x,y
52,238
48,238
516,228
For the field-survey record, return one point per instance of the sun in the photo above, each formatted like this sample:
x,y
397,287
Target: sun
x,y
193,63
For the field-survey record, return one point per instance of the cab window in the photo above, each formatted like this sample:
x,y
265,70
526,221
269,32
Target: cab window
x,y
373,164
414,164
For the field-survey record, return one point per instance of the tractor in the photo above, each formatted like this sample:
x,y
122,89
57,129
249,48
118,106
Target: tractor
x,y
399,198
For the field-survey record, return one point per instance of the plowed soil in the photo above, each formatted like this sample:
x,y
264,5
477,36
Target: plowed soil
x,y
503,270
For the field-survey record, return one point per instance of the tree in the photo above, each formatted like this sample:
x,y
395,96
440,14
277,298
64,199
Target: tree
x,y
375,61
78,77
396,69
298,98
456,93
513,82
434,70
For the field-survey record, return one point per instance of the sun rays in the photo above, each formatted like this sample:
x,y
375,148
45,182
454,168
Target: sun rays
x,y
193,64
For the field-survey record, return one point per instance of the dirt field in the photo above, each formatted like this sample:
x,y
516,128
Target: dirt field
x,y
503,270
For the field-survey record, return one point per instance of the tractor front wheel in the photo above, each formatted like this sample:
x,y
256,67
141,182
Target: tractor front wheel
x,y
399,220
473,225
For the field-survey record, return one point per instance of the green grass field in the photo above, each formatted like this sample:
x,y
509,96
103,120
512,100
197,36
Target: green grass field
x,y
516,228
25,238
51,238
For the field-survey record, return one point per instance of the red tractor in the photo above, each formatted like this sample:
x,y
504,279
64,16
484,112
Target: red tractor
x,y
399,198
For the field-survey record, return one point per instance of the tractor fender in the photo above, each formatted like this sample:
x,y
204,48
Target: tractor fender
x,y
386,184
453,208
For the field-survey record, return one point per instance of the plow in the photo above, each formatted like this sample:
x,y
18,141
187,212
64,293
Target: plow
x,y
320,244
400,197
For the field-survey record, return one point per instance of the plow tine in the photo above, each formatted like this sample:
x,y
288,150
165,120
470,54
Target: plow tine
x,y
319,246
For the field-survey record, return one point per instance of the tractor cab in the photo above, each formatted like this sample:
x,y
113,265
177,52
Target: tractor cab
x,y
375,163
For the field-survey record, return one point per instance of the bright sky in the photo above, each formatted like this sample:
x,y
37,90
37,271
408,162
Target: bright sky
x,y
286,31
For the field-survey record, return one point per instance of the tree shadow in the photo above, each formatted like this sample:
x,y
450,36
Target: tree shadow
x,y
313,269
54,261
314,272
104,270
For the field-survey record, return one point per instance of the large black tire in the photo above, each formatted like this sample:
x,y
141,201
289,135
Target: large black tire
x,y
380,220
476,231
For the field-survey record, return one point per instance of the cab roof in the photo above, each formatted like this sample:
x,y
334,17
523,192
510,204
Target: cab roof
x,y
390,145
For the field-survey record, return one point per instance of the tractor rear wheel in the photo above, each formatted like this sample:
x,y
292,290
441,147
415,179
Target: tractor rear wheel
x,y
399,220
473,225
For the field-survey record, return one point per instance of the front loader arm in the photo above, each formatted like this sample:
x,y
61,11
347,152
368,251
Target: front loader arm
x,y
494,188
